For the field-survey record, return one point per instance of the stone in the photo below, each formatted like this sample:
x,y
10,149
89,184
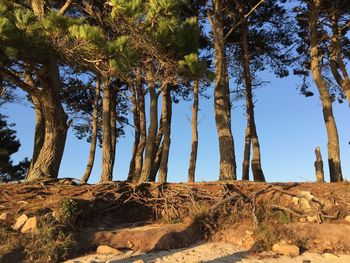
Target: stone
x,y
30,226
108,250
286,249
138,261
330,256
347,218
312,219
4,216
20,222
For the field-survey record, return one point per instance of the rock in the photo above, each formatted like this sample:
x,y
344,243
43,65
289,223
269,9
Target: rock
x,y
4,216
312,219
330,256
347,218
20,222
138,261
108,250
284,248
30,226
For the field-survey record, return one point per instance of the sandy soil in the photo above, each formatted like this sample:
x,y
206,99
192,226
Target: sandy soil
x,y
207,253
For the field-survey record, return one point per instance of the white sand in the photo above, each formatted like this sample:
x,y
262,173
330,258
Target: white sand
x,y
207,253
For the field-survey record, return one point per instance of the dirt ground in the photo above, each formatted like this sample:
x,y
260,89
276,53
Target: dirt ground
x,y
232,217
210,252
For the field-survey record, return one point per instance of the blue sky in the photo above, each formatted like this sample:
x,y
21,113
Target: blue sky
x,y
289,126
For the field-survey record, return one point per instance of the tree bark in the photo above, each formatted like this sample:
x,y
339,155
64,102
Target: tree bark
x,y
258,174
94,125
143,134
49,158
107,154
166,121
147,167
135,110
222,104
319,166
39,135
194,148
336,60
113,105
158,148
332,132
247,146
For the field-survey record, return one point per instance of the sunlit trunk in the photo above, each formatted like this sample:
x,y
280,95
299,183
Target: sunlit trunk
x,y
94,131
332,132
222,104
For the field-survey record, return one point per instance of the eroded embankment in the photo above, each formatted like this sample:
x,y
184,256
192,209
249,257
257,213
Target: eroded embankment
x,y
74,219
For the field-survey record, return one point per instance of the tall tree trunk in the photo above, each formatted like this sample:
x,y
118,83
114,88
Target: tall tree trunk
x,y
258,174
247,146
143,134
135,111
107,154
152,134
113,104
166,121
49,158
336,60
222,104
39,135
157,154
194,148
94,125
332,132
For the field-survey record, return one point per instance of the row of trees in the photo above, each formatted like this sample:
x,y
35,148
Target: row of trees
x,y
84,64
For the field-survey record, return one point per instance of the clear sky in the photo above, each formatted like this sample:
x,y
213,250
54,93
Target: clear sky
x,y
289,126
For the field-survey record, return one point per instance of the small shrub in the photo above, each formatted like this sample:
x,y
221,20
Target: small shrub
x,y
52,243
266,236
68,211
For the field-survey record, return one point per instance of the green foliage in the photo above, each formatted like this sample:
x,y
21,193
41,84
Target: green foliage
x,y
163,7
9,144
130,8
68,211
86,32
52,243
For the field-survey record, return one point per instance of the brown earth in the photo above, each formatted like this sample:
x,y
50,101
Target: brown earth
x,y
154,216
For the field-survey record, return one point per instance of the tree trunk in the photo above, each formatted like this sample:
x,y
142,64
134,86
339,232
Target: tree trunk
x,y
319,166
113,121
246,157
143,135
152,133
166,121
222,104
332,132
157,155
258,174
336,60
49,158
194,148
39,135
135,110
94,132
107,154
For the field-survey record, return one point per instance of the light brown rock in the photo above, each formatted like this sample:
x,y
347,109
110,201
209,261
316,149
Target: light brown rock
x,y
330,256
138,261
4,216
30,226
347,218
20,222
108,250
312,219
284,248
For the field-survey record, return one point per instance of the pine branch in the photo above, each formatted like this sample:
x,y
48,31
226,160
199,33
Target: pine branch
x,y
16,79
